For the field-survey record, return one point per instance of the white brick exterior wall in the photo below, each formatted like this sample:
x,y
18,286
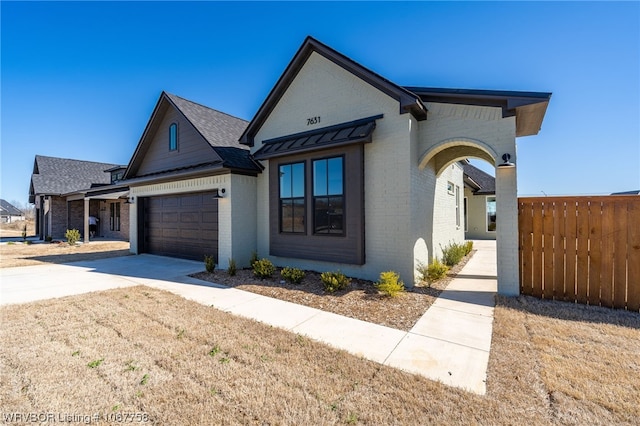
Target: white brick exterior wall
x,y
445,230
398,193
452,132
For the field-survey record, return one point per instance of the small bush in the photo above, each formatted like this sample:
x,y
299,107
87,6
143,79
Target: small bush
x,y
254,258
389,284
334,281
293,275
24,233
453,253
72,236
468,246
435,271
231,270
48,238
263,268
209,263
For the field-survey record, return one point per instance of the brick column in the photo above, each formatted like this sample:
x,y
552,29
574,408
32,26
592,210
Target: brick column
x,y
86,220
507,230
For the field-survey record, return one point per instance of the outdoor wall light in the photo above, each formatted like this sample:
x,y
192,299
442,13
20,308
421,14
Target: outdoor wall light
x,y
507,163
130,200
218,193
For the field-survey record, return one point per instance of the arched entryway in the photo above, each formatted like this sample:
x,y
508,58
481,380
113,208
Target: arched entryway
x,y
441,155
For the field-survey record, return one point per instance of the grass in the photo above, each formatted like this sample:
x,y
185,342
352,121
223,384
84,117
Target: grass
x,y
16,255
550,363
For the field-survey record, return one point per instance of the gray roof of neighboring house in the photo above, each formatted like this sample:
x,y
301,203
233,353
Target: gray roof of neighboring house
x,y
634,192
485,184
54,176
8,209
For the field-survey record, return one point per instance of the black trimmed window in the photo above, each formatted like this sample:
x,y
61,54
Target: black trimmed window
x,y
328,196
292,206
173,137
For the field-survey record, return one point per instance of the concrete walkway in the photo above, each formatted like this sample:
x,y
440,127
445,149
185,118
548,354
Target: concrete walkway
x,y
450,343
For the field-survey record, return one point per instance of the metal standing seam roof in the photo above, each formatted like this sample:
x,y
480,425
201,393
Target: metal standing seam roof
x,y
358,131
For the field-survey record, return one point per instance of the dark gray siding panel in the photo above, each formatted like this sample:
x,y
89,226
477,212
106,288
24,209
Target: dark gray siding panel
x,y
192,147
184,225
348,248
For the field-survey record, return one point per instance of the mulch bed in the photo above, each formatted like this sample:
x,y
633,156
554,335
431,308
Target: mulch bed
x,y
361,300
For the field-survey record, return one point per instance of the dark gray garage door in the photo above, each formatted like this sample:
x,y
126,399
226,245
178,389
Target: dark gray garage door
x,y
184,226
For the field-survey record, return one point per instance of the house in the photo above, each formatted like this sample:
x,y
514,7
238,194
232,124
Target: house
x,y
66,192
479,203
339,169
9,213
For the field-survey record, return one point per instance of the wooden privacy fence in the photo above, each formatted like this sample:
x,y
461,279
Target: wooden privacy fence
x,y
581,249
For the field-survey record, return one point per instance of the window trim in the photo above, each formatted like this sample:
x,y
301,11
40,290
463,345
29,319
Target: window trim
x,y
304,198
486,213
348,248
173,134
328,196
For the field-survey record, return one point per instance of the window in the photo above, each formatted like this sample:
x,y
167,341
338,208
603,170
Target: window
x,y
491,214
450,188
114,217
292,198
173,137
328,196
457,206
466,216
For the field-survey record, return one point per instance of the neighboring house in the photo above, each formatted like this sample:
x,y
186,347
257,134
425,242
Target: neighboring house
x,y
634,192
66,192
9,213
479,204
339,169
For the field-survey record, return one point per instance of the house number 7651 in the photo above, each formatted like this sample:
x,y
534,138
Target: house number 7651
x,y
313,120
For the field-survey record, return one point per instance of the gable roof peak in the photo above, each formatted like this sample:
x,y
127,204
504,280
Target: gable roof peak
x,y
409,102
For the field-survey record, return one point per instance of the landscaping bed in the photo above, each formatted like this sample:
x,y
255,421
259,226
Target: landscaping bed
x,y
361,300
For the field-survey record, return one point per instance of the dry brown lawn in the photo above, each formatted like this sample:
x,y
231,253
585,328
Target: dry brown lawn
x,y
20,254
142,350
14,229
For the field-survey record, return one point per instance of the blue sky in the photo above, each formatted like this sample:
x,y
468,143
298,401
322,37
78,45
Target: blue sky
x,y
80,80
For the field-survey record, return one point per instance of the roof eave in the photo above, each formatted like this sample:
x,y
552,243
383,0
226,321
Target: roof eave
x,y
409,102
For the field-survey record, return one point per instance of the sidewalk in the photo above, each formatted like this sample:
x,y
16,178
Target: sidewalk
x,y
450,343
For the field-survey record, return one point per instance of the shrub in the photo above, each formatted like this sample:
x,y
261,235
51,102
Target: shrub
x,y
48,238
453,253
24,233
72,236
468,246
435,271
334,281
263,268
390,284
293,275
231,270
209,263
254,258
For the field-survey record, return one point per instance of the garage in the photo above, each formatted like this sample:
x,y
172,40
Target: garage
x,y
184,225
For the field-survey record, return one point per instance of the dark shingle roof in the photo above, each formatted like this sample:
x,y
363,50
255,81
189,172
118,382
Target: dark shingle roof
x,y
52,175
485,181
218,128
8,209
